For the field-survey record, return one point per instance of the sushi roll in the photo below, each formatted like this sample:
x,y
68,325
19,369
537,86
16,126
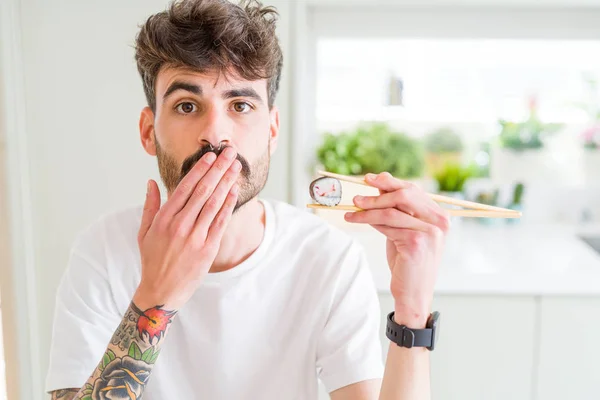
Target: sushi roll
x,y
326,191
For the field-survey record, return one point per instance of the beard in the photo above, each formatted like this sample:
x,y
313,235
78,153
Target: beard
x,y
251,181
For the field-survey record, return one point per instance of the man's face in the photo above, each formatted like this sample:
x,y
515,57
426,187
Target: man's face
x,y
198,113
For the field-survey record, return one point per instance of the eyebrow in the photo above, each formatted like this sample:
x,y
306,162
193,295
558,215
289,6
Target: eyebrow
x,y
179,85
197,90
242,92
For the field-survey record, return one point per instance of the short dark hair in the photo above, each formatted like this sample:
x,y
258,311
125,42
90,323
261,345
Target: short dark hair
x,y
211,35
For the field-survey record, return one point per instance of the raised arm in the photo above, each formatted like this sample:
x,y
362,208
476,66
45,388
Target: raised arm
x,y
178,244
415,227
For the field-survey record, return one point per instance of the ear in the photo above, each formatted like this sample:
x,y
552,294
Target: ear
x,y
147,131
274,128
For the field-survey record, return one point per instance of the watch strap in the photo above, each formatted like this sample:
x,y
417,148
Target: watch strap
x,y
407,337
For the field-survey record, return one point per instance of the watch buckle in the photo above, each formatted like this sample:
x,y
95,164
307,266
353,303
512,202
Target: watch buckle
x,y
408,338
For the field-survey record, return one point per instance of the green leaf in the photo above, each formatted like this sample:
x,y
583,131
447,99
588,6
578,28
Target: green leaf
x,y
372,147
111,355
154,357
148,354
88,391
105,360
87,397
88,386
134,351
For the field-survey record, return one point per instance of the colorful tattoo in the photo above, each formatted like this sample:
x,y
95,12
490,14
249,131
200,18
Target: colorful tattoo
x,y
125,332
128,361
153,322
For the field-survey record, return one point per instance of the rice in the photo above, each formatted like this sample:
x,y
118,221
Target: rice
x,y
326,191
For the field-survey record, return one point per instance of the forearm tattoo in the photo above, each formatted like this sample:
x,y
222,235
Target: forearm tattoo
x,y
128,361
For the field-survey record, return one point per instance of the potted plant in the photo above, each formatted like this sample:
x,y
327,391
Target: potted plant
x,y
591,134
518,154
517,197
591,153
517,200
372,148
451,179
442,145
529,134
489,197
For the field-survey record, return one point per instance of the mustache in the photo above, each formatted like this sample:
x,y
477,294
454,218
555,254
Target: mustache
x,y
189,162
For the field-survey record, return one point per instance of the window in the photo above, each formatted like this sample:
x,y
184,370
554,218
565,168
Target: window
x,y
474,81
418,86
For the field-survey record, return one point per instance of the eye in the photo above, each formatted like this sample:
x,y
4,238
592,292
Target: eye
x,y
186,108
242,107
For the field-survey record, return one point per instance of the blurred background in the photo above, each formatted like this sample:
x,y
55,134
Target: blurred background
x,y
495,101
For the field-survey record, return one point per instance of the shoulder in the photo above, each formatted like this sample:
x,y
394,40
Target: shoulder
x,y
110,237
111,226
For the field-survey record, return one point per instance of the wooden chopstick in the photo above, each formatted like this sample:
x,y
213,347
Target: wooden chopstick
x,y
436,197
452,212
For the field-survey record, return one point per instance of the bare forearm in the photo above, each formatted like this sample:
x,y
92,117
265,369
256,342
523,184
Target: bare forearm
x,y
128,361
406,373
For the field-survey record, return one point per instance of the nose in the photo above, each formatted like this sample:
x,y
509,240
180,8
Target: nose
x,y
214,145
216,129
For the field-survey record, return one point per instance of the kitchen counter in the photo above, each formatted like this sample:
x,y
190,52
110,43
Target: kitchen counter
x,y
513,299
520,259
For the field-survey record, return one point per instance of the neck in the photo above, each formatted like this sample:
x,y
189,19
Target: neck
x,y
242,237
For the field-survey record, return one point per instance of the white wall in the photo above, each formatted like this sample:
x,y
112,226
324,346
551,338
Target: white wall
x,y
6,314
16,267
83,97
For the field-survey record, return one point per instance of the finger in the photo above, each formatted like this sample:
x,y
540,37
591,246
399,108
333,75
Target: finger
x,y
391,233
151,207
207,214
186,218
398,234
186,187
407,201
386,182
391,217
217,229
414,242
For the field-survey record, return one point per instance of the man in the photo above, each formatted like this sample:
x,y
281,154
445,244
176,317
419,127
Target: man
x,y
215,293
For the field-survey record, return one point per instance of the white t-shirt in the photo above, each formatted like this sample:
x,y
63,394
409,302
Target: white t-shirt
x,y
302,307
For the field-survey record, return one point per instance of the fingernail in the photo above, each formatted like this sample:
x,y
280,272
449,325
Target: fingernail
x,y
210,158
358,198
234,189
237,166
148,188
229,153
371,177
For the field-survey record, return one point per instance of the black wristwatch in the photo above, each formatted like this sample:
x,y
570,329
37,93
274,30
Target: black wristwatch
x,y
404,336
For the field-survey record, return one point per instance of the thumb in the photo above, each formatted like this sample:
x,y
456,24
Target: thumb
x,y
151,207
